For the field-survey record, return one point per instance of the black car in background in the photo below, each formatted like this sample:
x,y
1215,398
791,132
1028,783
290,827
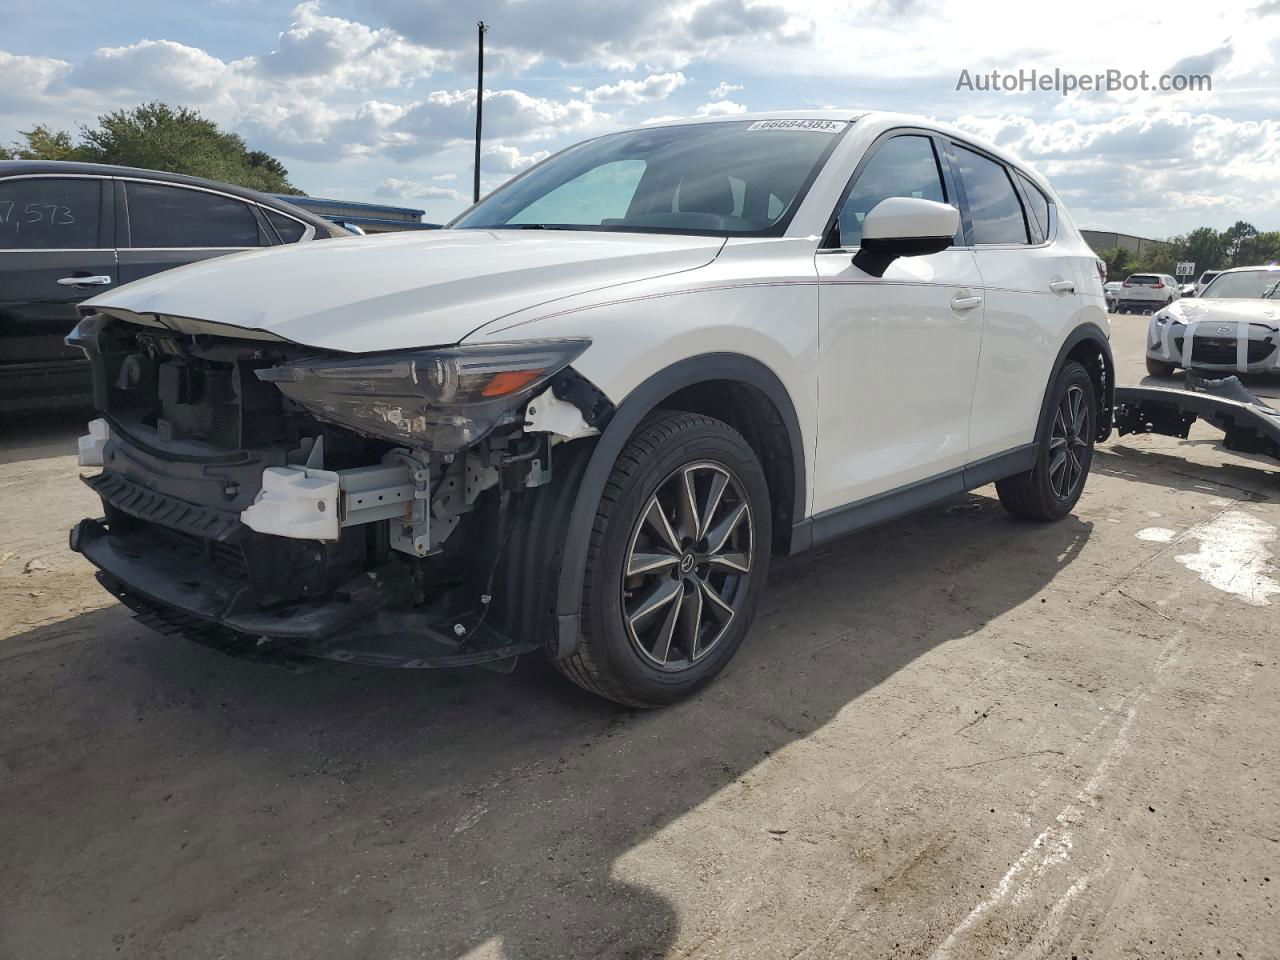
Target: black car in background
x,y
68,230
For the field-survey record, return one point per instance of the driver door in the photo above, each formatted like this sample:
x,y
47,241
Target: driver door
x,y
898,354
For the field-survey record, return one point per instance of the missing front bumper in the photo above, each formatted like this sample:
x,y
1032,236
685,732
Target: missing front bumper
x,y
174,587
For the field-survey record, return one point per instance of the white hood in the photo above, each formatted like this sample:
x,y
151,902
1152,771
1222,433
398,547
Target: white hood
x,y
1226,311
389,292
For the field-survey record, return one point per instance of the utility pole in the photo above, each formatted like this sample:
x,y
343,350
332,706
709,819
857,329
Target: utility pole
x,y
481,31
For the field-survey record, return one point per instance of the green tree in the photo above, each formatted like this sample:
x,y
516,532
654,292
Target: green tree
x,y
42,143
1236,240
1117,261
156,136
1203,247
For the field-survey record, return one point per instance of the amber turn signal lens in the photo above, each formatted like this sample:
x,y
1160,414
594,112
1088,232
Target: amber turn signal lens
x,y
509,381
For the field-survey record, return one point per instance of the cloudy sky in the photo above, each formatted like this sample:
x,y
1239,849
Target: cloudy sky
x,y
373,99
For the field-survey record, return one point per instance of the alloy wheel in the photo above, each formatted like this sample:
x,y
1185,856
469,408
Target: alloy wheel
x,y
1069,443
687,565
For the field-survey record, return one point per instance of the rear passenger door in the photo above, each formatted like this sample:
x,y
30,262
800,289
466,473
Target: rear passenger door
x,y
1031,300
55,250
165,225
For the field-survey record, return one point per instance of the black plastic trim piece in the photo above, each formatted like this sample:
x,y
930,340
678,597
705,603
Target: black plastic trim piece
x,y
1106,403
638,404
882,507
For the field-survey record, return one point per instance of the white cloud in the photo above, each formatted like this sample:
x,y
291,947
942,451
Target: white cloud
x,y
720,108
507,159
616,34
415,190
656,86
722,89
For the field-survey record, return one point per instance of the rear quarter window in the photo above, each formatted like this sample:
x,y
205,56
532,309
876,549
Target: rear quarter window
x,y
289,229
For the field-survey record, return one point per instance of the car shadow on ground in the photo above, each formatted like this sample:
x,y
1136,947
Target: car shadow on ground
x,y
195,805
1243,476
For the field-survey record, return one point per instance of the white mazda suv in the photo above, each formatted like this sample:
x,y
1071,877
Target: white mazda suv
x,y
581,419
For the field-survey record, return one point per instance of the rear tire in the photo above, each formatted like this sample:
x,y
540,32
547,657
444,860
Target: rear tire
x,y
1051,488
672,581
1158,368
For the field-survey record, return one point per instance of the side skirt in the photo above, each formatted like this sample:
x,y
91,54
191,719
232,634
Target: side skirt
x,y
882,507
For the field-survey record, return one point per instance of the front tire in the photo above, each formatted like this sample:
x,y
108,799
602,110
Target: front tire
x,y
678,558
1051,488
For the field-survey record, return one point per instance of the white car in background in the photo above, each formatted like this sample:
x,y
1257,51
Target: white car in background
x,y
1206,278
580,419
1233,327
1147,292
1111,291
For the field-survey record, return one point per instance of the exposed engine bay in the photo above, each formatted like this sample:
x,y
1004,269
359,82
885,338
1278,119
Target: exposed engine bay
x,y
272,501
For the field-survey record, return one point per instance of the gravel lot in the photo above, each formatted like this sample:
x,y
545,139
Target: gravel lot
x,y
953,736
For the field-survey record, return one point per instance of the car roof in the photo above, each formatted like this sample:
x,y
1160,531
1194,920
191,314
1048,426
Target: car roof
x,y
1261,266
881,119
10,168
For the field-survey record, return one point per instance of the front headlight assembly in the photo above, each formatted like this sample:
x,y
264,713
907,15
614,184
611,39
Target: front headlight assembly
x,y
441,400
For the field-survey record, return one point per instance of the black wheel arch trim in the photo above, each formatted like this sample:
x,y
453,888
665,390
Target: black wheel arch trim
x,y
1106,403
638,404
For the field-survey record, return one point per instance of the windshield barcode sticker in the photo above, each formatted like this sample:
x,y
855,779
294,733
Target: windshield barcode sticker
x,y
816,126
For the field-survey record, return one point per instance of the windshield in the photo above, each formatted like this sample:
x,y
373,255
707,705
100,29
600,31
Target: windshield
x,y
738,177
1245,285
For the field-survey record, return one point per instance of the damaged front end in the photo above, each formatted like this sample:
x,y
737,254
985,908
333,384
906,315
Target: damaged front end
x,y
1249,425
273,501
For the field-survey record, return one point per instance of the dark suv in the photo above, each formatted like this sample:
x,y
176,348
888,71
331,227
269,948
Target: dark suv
x,y
68,230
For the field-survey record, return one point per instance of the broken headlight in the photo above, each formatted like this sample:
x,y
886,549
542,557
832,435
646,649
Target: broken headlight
x,y
441,400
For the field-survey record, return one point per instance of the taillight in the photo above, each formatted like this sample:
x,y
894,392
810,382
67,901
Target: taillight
x,y
1102,269
1158,286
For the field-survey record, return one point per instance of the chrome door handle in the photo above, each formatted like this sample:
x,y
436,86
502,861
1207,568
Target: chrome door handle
x,y
966,303
84,281
1063,286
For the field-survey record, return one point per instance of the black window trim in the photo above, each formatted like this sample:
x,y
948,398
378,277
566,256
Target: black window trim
x,y
966,216
1025,182
948,183
125,237
106,212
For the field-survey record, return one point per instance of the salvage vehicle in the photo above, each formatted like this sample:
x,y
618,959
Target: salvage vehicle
x,y
581,418
1233,327
67,230
1147,292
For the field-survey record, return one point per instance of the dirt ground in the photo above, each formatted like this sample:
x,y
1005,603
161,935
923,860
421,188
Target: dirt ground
x,y
952,736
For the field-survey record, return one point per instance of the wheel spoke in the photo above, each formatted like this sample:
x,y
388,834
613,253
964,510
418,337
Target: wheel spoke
x,y
737,562
662,645
721,610
687,508
718,484
661,594
1078,413
691,622
719,535
656,518
1056,465
650,562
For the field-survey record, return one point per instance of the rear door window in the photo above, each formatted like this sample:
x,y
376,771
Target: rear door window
x,y
168,216
50,214
905,166
994,208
